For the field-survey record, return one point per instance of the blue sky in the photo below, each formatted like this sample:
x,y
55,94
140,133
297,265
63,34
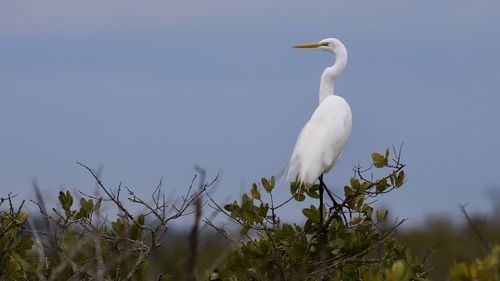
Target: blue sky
x,y
149,89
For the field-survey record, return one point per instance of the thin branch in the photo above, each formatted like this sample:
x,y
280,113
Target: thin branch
x,y
116,199
484,241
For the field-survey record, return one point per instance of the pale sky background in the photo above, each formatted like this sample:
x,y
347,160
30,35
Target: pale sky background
x,y
147,89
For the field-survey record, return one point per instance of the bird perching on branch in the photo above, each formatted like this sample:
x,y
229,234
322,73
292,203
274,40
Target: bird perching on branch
x,y
325,135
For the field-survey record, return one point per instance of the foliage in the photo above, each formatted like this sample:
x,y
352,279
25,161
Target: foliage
x,y
353,243
78,243
15,242
82,240
487,269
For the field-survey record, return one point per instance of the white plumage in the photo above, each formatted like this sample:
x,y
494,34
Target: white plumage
x,y
325,135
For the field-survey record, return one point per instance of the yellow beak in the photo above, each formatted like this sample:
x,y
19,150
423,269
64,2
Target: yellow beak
x,y
311,45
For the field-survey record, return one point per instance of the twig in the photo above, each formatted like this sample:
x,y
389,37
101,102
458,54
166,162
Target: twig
x,y
116,199
479,235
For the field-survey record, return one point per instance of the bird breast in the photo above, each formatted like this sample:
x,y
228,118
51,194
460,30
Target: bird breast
x,y
321,141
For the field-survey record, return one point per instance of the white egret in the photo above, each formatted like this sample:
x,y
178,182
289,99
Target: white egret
x,y
325,135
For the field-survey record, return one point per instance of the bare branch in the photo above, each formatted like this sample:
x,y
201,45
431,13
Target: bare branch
x,y
484,241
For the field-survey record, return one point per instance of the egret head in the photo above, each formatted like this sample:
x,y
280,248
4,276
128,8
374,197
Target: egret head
x,y
332,45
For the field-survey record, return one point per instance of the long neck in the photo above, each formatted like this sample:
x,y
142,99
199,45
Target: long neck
x,y
326,86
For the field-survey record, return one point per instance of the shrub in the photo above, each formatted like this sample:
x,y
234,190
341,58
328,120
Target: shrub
x,y
355,242
487,269
349,240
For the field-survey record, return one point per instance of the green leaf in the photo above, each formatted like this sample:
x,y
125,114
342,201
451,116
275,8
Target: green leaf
x,y
140,219
69,198
308,213
228,207
367,210
399,271
66,201
311,213
364,186
267,186
134,232
88,205
308,228
347,191
255,192
299,197
287,228
313,191
360,199
263,208
62,199
379,161
400,179
381,215
245,199
382,185
273,181
355,184
22,216
98,204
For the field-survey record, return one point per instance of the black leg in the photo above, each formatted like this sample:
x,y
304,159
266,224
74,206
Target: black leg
x,y
336,206
321,185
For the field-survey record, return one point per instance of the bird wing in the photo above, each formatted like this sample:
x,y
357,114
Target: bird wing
x,y
321,141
